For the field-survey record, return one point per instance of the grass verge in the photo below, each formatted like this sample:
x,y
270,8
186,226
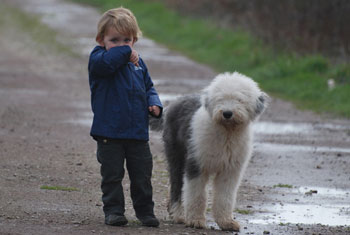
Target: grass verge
x,y
58,188
300,79
283,186
244,212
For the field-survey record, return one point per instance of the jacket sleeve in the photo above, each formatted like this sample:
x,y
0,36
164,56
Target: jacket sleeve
x,y
104,62
152,95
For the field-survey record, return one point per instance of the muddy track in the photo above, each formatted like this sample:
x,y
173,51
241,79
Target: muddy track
x,y
298,181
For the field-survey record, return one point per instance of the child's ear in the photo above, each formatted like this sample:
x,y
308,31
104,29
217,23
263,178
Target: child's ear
x,y
99,40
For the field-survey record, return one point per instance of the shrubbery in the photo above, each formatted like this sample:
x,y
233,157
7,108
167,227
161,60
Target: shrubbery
x,y
316,26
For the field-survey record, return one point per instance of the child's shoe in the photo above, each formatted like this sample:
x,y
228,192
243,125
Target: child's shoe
x,y
149,221
115,220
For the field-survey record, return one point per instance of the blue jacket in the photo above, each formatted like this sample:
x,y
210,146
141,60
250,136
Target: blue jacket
x,y
120,94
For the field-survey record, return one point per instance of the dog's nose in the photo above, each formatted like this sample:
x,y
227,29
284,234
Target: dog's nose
x,y
227,114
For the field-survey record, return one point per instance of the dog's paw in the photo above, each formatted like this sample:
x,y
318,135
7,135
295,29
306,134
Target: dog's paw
x,y
229,225
196,223
178,219
176,214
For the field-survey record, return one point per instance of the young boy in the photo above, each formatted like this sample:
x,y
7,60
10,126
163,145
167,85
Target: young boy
x,y
122,97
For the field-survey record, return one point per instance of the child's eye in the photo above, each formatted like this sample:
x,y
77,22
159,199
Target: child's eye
x,y
127,40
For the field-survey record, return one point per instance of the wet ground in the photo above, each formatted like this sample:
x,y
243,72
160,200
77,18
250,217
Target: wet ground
x,y
298,180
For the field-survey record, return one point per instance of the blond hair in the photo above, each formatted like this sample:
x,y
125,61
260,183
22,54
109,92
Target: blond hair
x,y
122,19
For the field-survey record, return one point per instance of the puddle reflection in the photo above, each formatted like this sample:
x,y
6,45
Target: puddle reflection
x,y
325,192
283,148
332,215
270,128
281,128
326,206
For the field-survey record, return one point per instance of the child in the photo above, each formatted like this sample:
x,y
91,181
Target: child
x,y
122,97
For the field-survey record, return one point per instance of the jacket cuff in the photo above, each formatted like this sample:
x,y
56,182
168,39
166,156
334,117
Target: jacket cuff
x,y
154,100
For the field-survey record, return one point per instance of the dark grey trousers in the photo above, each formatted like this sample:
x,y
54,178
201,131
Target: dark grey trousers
x,y
112,154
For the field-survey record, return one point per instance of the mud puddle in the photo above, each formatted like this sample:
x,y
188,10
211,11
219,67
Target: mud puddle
x,y
287,148
312,205
296,128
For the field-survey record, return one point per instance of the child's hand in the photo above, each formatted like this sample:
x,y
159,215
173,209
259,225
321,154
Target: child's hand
x,y
134,57
154,110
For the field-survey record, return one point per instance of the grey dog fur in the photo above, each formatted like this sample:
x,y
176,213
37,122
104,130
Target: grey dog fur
x,y
176,137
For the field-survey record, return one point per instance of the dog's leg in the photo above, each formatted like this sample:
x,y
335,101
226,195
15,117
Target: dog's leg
x,y
225,189
176,212
176,165
195,201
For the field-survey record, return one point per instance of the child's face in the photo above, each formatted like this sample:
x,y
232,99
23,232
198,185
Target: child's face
x,y
113,38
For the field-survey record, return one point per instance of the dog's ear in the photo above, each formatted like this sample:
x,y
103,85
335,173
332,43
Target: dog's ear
x,y
261,103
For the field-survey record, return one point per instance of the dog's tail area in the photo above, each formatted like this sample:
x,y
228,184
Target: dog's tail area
x,y
156,124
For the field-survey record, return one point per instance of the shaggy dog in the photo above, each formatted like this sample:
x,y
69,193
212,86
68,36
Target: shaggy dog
x,y
210,135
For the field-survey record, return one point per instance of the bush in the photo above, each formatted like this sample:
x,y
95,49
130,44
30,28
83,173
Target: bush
x,y
313,26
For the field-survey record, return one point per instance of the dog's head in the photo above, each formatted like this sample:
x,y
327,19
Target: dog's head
x,y
234,99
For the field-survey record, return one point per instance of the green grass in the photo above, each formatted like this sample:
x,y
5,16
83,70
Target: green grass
x,y
244,212
283,186
58,188
301,79
284,224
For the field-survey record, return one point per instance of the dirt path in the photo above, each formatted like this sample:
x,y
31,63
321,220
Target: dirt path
x,y
44,140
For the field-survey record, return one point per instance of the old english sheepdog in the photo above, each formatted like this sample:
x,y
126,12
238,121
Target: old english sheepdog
x,y
210,135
